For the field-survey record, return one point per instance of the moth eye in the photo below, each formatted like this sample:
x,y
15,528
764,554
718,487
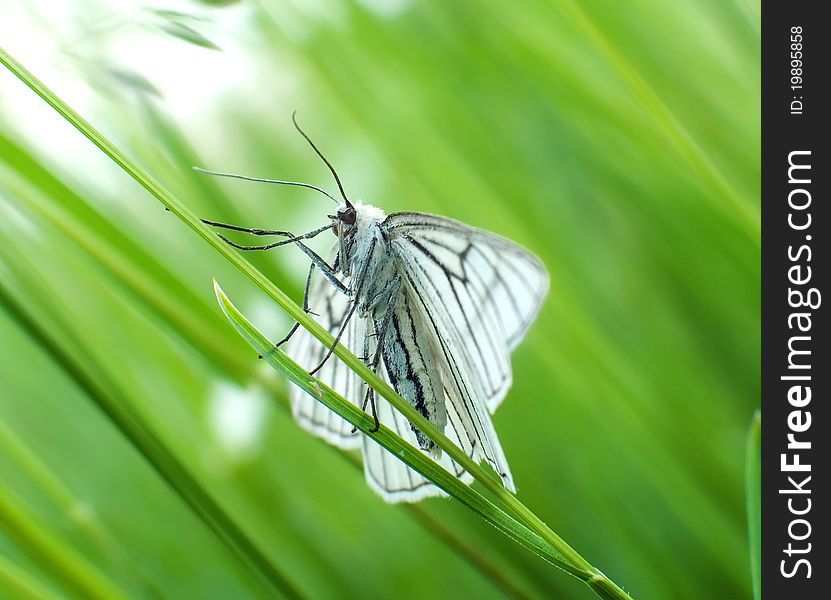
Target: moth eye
x,y
347,216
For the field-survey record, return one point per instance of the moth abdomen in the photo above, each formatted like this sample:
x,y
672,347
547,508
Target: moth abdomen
x,y
408,359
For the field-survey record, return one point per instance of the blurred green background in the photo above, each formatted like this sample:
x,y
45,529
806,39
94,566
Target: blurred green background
x,y
619,141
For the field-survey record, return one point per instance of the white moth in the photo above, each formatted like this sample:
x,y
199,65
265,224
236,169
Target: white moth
x,y
434,307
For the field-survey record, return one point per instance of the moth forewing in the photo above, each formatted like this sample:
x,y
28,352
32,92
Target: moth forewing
x,y
410,351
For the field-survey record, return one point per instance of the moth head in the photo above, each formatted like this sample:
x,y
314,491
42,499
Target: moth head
x,y
344,219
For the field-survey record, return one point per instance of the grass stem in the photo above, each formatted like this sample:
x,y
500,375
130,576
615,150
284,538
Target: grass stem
x,y
507,513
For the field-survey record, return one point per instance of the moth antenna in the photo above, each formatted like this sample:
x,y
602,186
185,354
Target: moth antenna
x,y
320,154
264,180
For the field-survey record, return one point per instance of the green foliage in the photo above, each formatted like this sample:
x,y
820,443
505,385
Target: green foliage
x,y
753,497
619,141
507,515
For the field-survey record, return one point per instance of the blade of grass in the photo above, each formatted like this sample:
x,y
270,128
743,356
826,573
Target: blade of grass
x,y
753,490
81,515
667,121
410,455
121,265
452,540
49,550
470,553
751,9
384,436
106,395
22,584
143,283
579,566
89,239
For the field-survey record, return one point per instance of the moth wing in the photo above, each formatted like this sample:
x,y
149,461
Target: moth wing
x,y
386,474
478,293
332,306
482,290
390,477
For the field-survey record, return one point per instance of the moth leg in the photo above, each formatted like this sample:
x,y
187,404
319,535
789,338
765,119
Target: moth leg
x,y
306,289
369,390
290,238
328,271
250,230
361,279
305,307
369,398
337,338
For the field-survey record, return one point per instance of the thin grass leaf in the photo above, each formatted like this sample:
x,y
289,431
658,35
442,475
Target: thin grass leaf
x,y
54,555
604,426
86,521
687,146
130,270
106,395
469,552
578,565
407,453
149,292
753,498
22,584
189,34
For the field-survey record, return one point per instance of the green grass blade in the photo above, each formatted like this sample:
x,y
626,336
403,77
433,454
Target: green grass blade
x,y
106,395
578,565
54,555
410,455
753,491
74,507
22,584
153,293
669,123
174,304
490,569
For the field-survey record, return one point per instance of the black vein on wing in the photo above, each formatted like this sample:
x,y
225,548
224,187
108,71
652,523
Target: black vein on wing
x,y
484,363
473,415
